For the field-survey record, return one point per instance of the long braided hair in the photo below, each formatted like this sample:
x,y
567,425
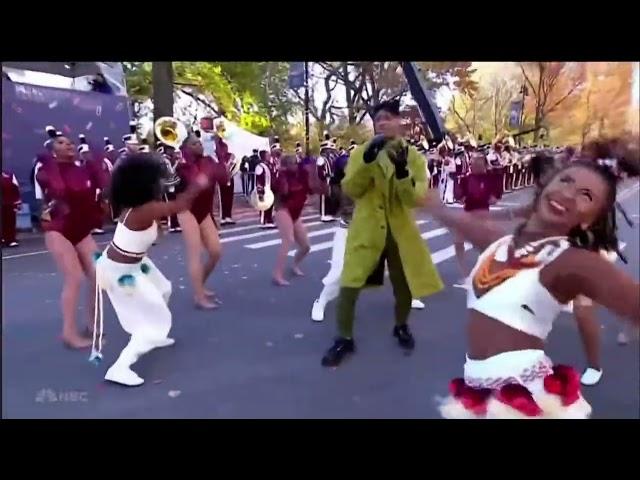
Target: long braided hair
x,y
612,159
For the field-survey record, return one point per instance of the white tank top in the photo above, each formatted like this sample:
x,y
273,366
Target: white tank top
x,y
521,302
133,243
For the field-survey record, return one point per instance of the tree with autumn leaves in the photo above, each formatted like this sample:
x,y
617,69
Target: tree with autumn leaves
x,y
564,102
257,96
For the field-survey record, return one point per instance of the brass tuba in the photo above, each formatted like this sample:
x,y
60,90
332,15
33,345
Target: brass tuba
x,y
170,132
268,198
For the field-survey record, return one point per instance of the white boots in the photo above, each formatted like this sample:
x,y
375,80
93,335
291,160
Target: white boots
x,y
120,372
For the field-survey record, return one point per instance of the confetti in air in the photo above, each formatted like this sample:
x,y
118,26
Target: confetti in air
x,y
174,393
89,125
298,335
53,104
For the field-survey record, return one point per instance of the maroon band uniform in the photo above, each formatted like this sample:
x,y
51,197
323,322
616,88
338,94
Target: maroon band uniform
x,y
266,173
10,205
69,191
226,188
291,190
202,206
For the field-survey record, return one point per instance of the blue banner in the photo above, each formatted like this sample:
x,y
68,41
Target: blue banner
x,y
28,109
296,75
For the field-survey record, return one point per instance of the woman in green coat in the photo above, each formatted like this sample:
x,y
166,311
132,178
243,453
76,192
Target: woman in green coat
x,y
385,178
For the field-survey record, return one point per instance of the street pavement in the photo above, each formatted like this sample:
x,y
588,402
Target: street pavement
x,y
258,356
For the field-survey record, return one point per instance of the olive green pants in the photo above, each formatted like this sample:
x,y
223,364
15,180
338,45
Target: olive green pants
x,y
347,298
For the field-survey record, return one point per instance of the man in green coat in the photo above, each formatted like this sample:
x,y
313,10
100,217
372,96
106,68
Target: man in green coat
x,y
385,178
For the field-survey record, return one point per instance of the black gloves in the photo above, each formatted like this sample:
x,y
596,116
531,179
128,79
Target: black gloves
x,y
374,148
400,162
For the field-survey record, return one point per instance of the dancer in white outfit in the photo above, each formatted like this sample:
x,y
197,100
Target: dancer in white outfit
x,y
519,287
138,291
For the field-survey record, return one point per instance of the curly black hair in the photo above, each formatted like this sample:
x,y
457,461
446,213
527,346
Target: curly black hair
x,y
137,179
608,158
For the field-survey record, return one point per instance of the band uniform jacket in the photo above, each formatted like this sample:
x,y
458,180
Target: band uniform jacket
x,y
381,202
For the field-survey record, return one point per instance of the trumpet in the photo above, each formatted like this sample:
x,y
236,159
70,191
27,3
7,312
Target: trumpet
x,y
170,132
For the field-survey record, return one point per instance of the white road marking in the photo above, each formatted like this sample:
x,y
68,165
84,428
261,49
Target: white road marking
x,y
325,245
257,234
256,225
270,243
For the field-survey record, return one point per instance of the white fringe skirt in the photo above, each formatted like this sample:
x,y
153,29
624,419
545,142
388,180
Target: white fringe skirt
x,y
522,384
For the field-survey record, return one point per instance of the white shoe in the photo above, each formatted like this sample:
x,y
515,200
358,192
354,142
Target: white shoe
x,y
591,376
14,244
165,342
327,218
317,312
230,221
223,221
97,231
123,376
417,304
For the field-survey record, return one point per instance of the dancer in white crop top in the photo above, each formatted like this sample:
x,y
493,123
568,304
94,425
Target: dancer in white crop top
x,y
138,291
519,286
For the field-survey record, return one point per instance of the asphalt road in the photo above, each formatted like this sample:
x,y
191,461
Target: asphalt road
x,y
258,356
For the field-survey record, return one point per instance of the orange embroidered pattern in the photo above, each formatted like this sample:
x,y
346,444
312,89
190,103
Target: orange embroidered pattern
x,y
485,280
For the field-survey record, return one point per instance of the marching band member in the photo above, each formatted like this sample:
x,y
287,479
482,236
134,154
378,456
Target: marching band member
x,y
507,163
325,172
244,173
254,161
137,289
462,168
494,157
385,178
225,190
86,156
69,193
293,184
299,153
477,192
266,172
276,152
521,283
172,158
448,170
198,227
11,204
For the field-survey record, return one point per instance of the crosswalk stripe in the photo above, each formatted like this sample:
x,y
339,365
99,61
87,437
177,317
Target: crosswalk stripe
x,y
446,253
257,234
256,224
270,243
325,245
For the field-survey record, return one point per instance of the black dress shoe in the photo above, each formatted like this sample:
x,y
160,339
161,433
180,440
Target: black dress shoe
x,y
405,339
340,348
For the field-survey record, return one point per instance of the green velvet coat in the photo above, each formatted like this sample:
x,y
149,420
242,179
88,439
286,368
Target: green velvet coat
x,y
381,202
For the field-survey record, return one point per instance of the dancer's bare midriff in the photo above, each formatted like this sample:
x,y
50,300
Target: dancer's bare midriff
x,y
489,337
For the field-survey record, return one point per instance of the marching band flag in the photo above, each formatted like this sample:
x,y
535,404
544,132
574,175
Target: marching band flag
x,y
296,75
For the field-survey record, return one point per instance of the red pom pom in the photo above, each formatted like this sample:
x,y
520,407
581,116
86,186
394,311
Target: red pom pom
x,y
519,398
456,387
564,382
472,399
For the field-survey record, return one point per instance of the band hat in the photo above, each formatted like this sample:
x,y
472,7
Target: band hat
x,y
131,137
108,146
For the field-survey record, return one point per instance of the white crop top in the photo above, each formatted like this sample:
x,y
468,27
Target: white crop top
x,y
521,302
133,243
